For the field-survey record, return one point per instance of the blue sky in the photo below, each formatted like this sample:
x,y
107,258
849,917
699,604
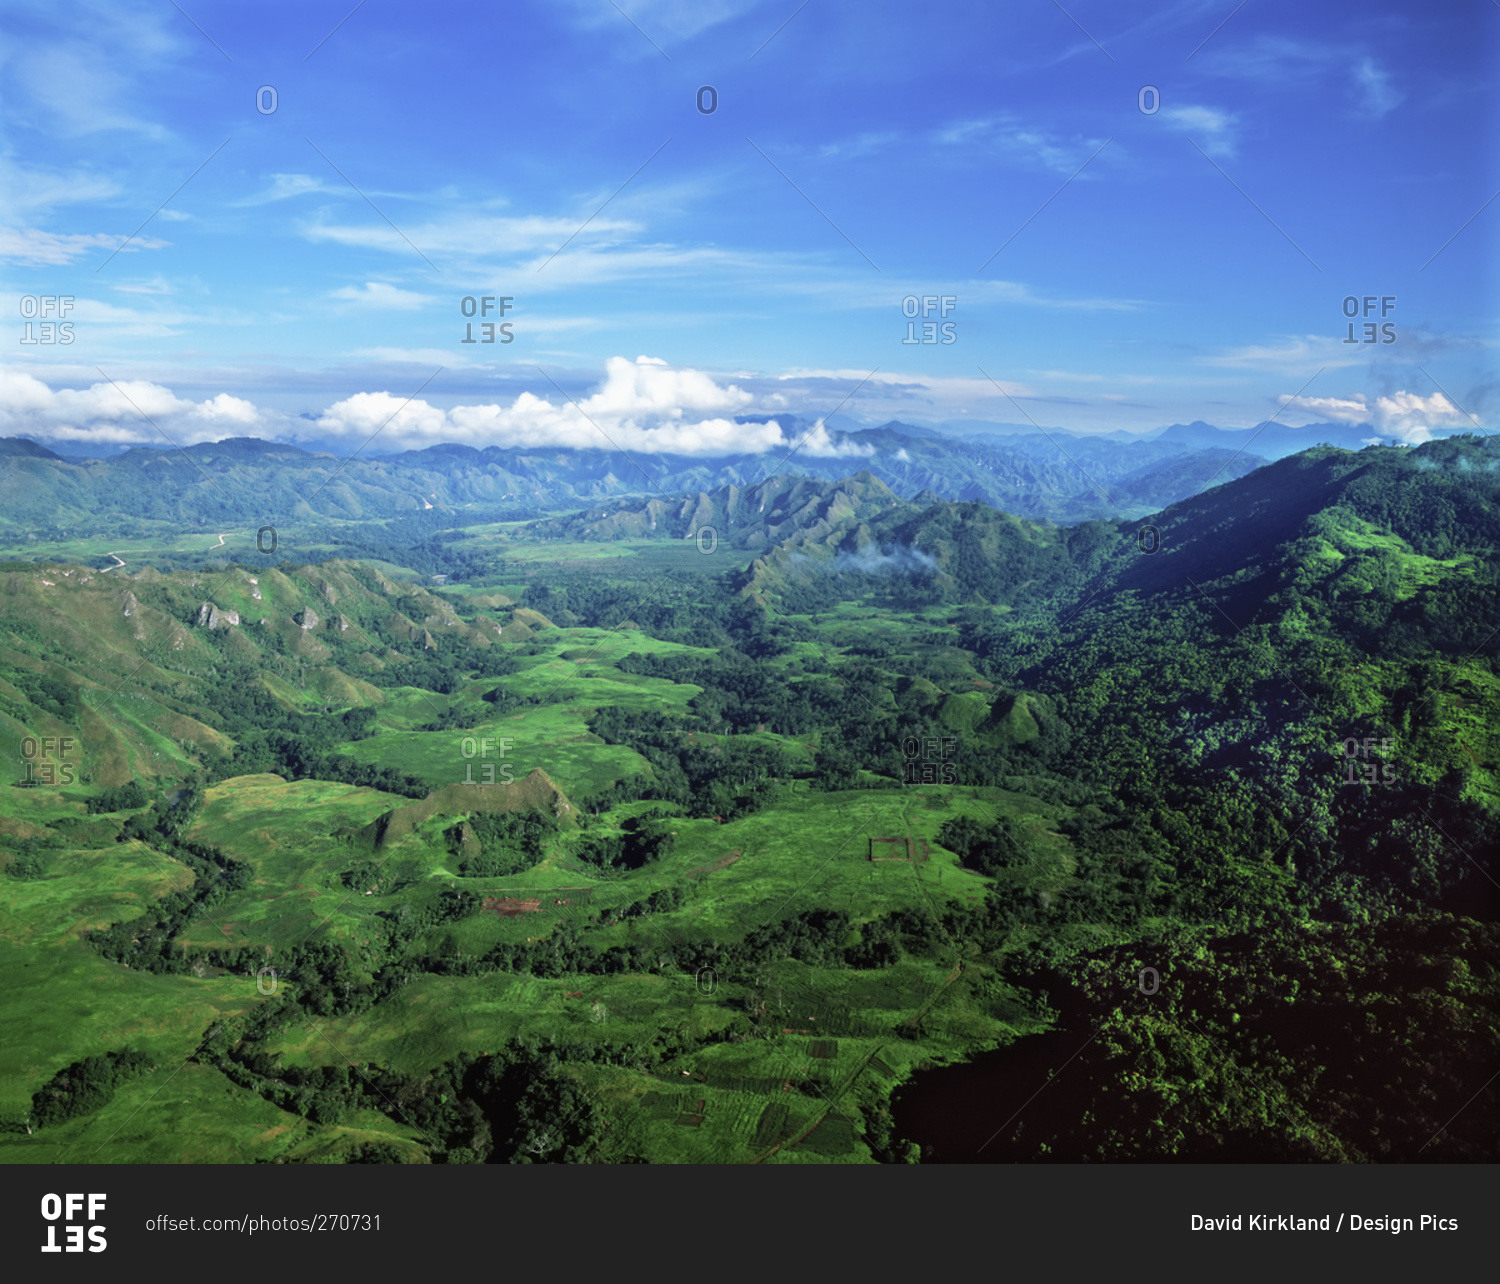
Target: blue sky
x,y
302,270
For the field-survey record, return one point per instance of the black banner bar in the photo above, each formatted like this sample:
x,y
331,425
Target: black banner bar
x,y
948,1220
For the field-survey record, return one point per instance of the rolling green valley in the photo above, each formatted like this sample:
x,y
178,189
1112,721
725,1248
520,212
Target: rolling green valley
x,y
760,825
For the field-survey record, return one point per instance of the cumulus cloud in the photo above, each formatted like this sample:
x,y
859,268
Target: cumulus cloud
x,y
123,413
643,406
1406,416
821,444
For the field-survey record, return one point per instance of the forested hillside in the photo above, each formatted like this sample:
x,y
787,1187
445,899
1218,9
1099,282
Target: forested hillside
x,y
914,783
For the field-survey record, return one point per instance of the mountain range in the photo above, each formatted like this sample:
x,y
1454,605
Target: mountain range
x,y
1033,473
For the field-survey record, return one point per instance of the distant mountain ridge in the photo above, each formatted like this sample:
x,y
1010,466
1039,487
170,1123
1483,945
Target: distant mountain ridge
x,y
1042,474
753,517
1360,522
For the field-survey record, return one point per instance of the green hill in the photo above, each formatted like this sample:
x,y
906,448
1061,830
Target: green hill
x,y
704,865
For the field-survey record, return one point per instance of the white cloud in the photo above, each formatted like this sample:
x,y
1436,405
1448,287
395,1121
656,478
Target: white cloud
x,y
663,21
820,444
77,88
1279,61
26,191
643,406
1291,353
857,292
1007,134
864,144
157,284
472,235
1373,90
551,254
431,358
1407,416
284,187
32,247
366,413
1211,128
1020,293
380,294
894,386
119,412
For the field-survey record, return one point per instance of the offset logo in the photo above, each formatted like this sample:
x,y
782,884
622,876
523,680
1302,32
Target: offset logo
x,y
484,748
63,1215
1356,306
37,753
927,760
481,306
912,306
36,308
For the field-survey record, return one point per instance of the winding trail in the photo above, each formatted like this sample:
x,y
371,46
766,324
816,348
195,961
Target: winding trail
x,y
119,561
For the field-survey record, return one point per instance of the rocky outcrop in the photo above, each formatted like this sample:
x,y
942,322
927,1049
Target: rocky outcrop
x,y
210,617
306,619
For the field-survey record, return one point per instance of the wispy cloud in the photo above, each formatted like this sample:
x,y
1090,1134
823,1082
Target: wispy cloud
x,y
473,236
1292,353
27,191
668,21
32,247
1373,88
1020,142
75,88
155,285
1285,62
381,294
1000,134
1212,128
859,145
285,187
